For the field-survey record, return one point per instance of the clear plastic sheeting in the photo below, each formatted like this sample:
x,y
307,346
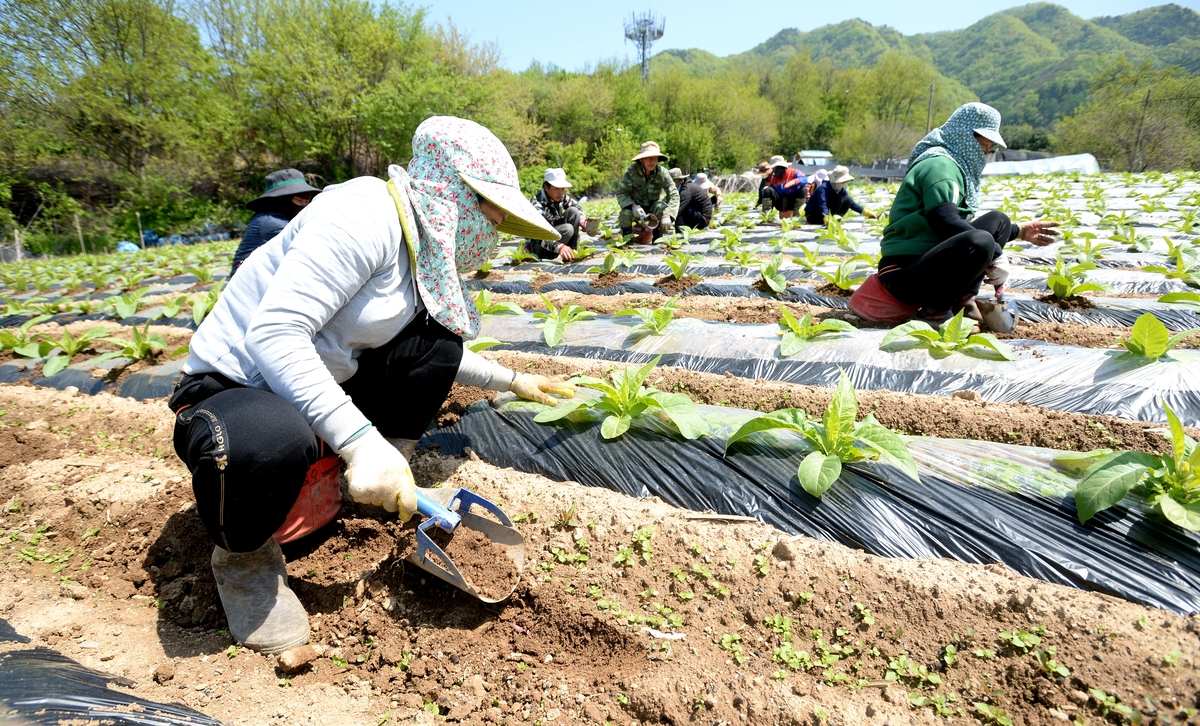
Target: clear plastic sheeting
x,y
975,502
1064,378
43,686
1073,163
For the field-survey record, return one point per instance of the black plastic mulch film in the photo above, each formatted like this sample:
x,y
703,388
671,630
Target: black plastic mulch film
x,y
43,686
1127,551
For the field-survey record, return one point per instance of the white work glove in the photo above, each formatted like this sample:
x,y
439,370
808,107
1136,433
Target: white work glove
x,y
378,474
997,274
533,387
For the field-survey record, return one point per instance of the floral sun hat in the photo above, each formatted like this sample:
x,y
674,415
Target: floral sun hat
x,y
956,139
454,162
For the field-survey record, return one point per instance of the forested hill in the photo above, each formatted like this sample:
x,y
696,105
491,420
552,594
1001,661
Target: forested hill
x,y
1034,62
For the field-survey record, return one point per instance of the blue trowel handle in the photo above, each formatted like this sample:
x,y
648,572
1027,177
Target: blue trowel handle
x,y
442,517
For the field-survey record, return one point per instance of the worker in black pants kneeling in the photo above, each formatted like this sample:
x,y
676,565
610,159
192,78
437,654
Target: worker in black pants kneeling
x,y
342,336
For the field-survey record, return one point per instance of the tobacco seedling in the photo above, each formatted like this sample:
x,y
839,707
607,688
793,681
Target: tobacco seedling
x,y
1151,339
654,322
1089,250
1191,299
1187,263
837,439
834,232
20,338
127,305
772,277
954,336
797,333
142,347
811,258
679,262
205,303
485,306
174,307
1049,666
1169,481
519,255
626,398
555,322
483,343
842,278
68,347
743,258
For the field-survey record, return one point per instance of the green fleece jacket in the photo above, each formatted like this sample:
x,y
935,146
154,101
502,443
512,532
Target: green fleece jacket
x,y
929,184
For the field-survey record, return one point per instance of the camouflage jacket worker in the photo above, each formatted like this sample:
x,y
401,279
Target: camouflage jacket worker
x,y
656,193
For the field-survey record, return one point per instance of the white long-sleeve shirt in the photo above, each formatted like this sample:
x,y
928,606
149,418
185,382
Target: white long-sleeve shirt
x,y
294,319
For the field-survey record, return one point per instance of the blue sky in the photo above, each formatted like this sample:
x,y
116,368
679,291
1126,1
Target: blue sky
x,y
577,33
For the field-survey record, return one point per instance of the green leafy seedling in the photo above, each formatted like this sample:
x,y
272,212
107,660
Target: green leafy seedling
x,y
142,346
20,338
679,263
953,336
842,278
797,333
837,439
811,258
626,398
654,322
68,346
555,322
1151,339
1169,481
772,277
127,305
485,306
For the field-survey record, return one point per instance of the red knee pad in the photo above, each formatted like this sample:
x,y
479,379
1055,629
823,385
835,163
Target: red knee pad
x,y
319,501
871,301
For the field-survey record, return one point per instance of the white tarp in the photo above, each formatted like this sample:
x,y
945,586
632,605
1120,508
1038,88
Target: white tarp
x,y
1082,163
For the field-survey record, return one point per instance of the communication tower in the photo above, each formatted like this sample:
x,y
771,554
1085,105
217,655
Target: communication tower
x,y
643,30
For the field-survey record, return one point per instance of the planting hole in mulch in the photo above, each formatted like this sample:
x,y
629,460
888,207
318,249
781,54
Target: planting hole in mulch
x,y
828,289
482,563
1073,302
608,279
673,286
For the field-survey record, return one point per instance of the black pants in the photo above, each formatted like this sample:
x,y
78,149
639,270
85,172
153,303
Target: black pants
x,y
691,217
949,275
785,202
249,450
568,230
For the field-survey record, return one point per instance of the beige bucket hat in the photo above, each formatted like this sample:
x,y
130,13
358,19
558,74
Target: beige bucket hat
x,y
777,160
840,175
650,148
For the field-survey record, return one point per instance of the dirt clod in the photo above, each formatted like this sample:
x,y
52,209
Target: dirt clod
x,y
294,659
164,672
483,563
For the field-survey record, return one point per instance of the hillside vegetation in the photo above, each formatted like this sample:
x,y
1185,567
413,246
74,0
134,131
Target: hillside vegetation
x,y
1035,63
119,111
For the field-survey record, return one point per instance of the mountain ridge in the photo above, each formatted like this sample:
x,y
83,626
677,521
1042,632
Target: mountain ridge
x,y
1033,62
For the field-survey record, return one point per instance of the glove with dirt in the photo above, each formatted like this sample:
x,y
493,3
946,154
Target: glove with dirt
x,y
533,387
378,474
869,214
996,274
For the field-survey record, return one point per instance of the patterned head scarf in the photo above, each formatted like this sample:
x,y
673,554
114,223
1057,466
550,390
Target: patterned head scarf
x,y
956,139
451,233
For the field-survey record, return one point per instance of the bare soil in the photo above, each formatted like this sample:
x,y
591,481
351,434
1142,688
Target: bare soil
x,y
482,563
609,279
542,278
963,416
673,286
759,310
107,561
828,289
1071,302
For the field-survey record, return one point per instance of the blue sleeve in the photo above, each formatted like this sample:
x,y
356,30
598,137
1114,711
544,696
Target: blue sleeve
x,y
819,201
858,208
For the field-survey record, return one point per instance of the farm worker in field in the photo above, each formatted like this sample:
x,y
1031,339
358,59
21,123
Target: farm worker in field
x,y
714,192
785,188
342,335
936,253
646,188
562,212
763,170
286,194
695,208
831,197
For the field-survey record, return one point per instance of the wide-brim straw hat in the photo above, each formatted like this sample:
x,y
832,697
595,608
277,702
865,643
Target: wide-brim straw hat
x,y
650,148
676,173
840,175
281,183
777,161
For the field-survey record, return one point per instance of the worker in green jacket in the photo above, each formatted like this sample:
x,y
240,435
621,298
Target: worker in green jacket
x,y
935,252
647,188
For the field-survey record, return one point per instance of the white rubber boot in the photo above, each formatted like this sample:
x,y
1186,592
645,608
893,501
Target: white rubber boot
x,y
263,613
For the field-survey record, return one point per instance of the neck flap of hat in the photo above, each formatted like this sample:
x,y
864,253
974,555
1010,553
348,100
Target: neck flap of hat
x,y
450,234
956,139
